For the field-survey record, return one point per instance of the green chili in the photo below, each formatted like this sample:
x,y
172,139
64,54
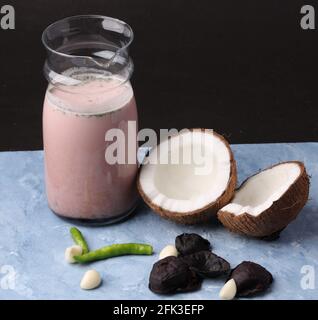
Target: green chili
x,y
115,250
79,239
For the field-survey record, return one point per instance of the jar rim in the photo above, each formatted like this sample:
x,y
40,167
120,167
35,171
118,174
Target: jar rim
x,y
86,16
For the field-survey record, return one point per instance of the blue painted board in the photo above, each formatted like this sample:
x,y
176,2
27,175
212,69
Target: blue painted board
x,y
33,240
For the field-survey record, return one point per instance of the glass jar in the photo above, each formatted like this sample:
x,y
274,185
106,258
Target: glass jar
x,y
89,95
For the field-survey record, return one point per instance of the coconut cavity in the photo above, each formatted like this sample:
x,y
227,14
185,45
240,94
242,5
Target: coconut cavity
x,y
188,174
260,191
268,201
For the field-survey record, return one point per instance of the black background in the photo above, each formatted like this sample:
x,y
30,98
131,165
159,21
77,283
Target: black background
x,y
244,68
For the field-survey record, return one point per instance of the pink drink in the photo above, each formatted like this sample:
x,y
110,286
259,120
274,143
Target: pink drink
x,y
79,182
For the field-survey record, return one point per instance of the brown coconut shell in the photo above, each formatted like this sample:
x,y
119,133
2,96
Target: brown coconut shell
x,y
203,214
275,218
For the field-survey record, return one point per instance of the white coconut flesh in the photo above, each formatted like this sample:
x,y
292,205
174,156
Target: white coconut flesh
x,y
183,183
259,192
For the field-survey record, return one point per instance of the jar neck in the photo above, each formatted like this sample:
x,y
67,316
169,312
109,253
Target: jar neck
x,y
69,72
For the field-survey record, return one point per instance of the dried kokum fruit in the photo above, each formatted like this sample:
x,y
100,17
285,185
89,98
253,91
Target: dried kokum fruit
x,y
188,243
250,278
207,264
171,275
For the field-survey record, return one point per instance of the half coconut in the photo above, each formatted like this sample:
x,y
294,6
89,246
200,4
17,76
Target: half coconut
x,y
268,201
188,177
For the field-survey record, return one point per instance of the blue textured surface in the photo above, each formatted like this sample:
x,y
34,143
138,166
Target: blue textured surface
x,y
33,240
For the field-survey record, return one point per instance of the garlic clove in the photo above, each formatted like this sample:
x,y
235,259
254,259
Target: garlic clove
x,y
90,280
72,251
167,251
228,291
